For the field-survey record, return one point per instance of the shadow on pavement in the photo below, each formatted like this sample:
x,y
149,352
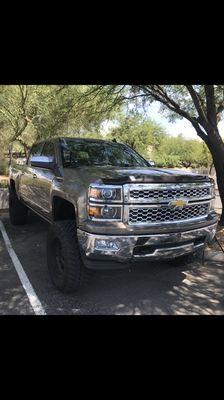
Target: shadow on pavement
x,y
13,299
149,288
156,289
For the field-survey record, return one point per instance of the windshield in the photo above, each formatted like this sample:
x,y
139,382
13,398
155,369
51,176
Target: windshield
x,y
81,152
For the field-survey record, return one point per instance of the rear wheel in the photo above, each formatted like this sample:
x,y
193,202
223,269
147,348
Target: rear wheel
x,y
17,211
65,264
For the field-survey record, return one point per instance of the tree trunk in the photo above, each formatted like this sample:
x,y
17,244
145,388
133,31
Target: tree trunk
x,y
216,148
26,149
219,168
10,153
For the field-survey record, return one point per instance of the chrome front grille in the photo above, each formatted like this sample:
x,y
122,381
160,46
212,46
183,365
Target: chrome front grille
x,y
165,192
168,194
152,215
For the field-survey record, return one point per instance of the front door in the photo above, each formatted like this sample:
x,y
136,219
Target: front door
x,y
42,181
26,188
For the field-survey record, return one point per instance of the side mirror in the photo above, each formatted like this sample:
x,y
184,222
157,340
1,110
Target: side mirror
x,y
42,162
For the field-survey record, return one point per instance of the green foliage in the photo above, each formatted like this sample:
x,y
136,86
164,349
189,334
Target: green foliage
x,y
34,112
205,156
4,167
143,135
152,142
3,183
180,152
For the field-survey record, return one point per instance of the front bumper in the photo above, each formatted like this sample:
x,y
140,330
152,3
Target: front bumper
x,y
144,247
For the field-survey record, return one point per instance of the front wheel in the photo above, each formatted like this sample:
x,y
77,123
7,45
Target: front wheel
x,y
65,264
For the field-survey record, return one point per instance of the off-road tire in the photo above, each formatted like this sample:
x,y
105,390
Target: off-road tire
x,y
18,212
188,259
65,266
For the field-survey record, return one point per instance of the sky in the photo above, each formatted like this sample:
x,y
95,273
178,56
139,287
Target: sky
x,y
179,126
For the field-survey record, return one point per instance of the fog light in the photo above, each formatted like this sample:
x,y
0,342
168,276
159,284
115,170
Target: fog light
x,y
106,245
100,212
108,212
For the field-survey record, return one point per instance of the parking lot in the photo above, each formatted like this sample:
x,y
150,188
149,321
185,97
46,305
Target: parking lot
x,y
149,288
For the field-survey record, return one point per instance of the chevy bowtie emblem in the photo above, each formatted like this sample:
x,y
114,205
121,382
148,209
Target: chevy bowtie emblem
x,y
178,203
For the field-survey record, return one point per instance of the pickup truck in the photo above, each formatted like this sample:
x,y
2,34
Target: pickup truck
x,y
107,207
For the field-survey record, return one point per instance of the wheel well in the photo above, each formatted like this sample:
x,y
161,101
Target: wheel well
x,y
62,209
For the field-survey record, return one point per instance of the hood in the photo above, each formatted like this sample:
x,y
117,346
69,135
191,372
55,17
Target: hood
x,y
115,175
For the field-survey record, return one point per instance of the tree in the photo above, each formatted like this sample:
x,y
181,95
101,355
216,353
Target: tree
x,y
13,109
201,105
21,106
29,113
181,152
142,134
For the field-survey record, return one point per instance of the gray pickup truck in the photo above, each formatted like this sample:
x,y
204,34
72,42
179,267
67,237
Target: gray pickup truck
x,y
107,207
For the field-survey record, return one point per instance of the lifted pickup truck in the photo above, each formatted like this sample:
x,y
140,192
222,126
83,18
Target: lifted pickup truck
x,y
107,207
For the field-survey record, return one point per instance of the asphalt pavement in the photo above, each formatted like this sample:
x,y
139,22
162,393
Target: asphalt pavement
x,y
147,288
13,298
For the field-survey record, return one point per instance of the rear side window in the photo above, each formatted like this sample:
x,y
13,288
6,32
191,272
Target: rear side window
x,y
35,151
48,150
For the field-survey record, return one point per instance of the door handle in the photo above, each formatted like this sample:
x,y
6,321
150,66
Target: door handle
x,y
34,176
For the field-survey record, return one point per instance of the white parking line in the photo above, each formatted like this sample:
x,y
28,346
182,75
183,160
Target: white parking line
x,y
33,299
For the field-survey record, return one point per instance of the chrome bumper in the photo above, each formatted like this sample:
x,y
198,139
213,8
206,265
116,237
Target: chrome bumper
x,y
142,247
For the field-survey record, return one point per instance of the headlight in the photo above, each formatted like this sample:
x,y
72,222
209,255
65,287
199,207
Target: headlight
x,y
106,193
105,212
